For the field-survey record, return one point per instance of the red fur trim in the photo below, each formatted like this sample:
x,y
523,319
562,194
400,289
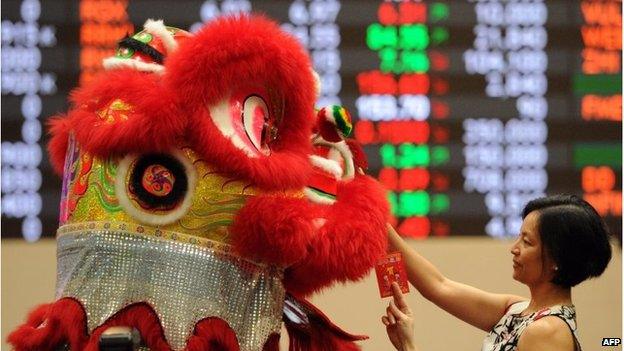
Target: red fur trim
x,y
348,245
273,229
59,128
213,334
51,325
140,316
153,125
26,336
241,50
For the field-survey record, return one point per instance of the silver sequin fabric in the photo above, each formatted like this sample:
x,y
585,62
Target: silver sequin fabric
x,y
107,270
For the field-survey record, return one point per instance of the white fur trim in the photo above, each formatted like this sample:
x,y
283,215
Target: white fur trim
x,y
345,153
314,197
317,83
220,115
330,166
334,154
158,29
116,62
329,116
142,215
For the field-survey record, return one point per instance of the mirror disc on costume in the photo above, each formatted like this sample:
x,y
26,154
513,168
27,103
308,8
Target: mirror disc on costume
x,y
158,180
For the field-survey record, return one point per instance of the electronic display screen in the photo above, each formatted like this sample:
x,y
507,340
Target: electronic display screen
x,y
466,109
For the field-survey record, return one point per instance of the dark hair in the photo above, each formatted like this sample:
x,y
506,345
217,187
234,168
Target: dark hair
x,y
574,235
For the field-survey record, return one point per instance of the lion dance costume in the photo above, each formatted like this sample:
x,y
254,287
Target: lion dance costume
x,y
203,197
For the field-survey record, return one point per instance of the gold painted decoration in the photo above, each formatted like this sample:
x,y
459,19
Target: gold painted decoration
x,y
117,111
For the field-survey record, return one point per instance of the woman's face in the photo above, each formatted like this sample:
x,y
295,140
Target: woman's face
x,y
528,264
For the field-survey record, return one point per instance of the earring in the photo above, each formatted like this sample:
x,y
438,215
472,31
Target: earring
x,y
556,268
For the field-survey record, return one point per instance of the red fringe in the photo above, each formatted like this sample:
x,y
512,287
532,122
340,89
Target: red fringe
x,y
314,331
140,316
50,325
213,334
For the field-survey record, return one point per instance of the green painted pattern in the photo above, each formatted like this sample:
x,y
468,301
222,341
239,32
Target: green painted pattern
x,y
105,188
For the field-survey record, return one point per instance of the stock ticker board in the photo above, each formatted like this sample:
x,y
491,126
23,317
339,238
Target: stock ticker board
x,y
466,109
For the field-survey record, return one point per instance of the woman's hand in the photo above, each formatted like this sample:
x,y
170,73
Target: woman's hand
x,y
399,322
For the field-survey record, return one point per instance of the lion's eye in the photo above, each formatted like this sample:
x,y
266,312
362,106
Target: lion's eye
x,y
255,118
247,120
155,188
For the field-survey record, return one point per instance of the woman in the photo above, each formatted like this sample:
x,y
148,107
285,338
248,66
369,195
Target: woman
x,y
562,242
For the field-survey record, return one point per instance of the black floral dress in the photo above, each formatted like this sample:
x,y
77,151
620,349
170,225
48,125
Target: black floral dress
x,y
506,333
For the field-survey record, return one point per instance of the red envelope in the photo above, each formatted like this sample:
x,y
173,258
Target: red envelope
x,y
391,269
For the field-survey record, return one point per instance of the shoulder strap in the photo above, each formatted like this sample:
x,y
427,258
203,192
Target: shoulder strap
x,y
516,307
577,344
